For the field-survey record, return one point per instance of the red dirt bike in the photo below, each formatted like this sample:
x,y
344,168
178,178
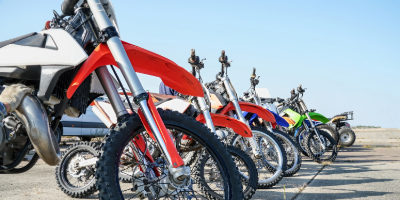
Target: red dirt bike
x,y
60,64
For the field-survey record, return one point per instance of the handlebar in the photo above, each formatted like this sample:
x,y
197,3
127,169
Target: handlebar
x,y
300,89
195,62
253,75
193,54
223,58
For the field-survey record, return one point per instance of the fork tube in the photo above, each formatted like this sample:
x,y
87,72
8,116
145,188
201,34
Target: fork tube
x,y
112,92
207,116
121,58
239,113
117,49
146,111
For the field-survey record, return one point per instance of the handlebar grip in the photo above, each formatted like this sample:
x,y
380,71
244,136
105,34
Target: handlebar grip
x,y
253,75
193,54
223,58
67,7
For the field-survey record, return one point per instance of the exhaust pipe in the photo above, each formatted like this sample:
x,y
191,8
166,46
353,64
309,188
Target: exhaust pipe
x,y
33,115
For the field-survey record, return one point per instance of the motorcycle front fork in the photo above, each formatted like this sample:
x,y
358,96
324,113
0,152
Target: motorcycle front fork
x,y
148,116
321,140
251,140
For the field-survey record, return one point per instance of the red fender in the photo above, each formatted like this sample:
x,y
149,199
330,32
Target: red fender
x,y
225,121
145,62
252,108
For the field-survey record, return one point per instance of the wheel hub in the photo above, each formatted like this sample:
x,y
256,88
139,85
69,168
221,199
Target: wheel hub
x,y
73,169
345,137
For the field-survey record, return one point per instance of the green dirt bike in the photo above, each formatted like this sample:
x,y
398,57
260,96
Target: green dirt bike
x,y
315,141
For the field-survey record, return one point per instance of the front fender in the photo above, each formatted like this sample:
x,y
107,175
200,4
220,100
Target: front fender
x,y
251,108
145,62
225,121
318,117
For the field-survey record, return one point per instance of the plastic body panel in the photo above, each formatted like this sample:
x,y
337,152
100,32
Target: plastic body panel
x,y
143,61
296,117
279,120
68,52
251,108
318,117
225,121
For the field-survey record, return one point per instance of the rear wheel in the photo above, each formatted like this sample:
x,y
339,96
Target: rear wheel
x,y
347,136
330,130
119,147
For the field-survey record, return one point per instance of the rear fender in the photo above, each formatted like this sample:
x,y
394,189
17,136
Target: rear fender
x,y
225,121
251,108
145,62
318,117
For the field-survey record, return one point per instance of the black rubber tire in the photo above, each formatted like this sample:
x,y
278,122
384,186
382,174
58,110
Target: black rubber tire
x,y
303,148
349,132
332,145
292,168
119,136
278,177
81,192
334,134
250,186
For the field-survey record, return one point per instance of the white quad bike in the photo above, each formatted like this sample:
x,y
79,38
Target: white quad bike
x,y
61,64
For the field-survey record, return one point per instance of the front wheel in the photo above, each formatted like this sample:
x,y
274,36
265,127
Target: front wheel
x,y
292,150
272,164
152,180
75,181
321,152
247,169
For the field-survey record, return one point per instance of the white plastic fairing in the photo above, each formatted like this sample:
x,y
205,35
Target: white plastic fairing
x,y
175,105
263,93
60,49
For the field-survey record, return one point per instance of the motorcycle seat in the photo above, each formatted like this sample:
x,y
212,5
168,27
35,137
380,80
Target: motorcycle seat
x,y
40,39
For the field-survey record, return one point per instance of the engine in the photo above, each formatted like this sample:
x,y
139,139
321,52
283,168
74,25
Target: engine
x,y
12,138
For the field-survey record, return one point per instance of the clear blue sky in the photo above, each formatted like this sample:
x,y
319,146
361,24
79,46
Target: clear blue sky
x,y
347,53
